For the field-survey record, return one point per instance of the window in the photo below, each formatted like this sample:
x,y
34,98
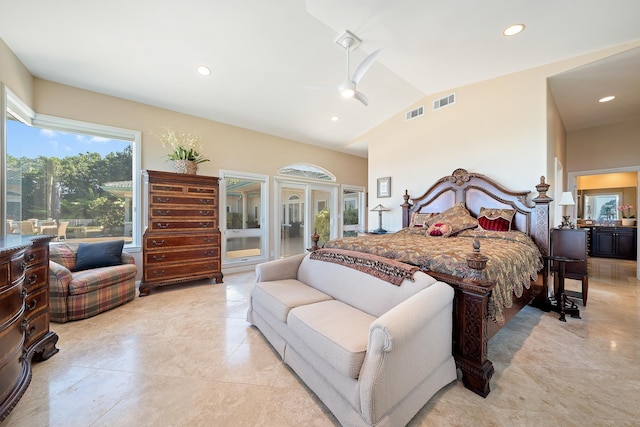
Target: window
x,y
74,180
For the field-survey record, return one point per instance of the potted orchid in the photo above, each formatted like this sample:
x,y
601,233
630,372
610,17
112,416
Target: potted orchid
x,y
185,149
627,217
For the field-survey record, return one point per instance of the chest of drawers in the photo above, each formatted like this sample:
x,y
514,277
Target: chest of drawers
x,y
181,241
24,315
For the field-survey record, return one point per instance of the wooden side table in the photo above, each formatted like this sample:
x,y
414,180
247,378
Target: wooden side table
x,y
560,302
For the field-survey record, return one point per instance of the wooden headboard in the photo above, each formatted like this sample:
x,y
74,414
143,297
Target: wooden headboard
x,y
477,191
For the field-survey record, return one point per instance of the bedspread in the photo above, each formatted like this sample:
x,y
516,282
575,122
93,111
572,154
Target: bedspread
x,y
513,258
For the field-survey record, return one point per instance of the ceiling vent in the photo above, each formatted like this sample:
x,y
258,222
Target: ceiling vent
x,y
414,113
443,102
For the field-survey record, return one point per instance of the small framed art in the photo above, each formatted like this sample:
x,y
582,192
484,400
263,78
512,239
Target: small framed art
x,y
384,187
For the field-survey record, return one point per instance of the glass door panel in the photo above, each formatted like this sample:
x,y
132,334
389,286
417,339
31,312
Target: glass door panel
x,y
321,213
245,222
291,221
352,211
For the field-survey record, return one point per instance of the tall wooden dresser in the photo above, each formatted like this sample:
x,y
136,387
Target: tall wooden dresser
x,y
24,315
182,240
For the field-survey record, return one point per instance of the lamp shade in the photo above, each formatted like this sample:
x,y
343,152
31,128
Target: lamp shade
x,y
566,199
380,208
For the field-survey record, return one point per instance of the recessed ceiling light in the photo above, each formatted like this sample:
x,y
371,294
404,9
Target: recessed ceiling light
x,y
335,118
205,71
607,98
513,30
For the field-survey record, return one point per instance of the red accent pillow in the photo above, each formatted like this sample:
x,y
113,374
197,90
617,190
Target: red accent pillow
x,y
439,229
498,224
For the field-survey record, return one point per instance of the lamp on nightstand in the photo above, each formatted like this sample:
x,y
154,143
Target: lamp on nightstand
x,y
380,209
566,200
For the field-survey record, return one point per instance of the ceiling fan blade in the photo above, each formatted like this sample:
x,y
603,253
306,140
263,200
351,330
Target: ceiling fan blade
x,y
361,97
364,65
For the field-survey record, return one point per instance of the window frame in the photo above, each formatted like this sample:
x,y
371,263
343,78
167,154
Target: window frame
x,y
18,109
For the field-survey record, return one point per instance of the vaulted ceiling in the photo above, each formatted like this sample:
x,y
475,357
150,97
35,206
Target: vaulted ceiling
x,y
265,55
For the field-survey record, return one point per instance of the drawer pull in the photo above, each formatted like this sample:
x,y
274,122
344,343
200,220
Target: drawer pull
x,y
208,239
29,257
164,199
167,212
205,213
23,294
157,272
201,190
32,279
23,265
161,225
32,306
26,328
209,253
160,243
204,224
167,188
204,201
158,258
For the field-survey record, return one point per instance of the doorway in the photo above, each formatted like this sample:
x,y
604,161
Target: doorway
x,y
572,178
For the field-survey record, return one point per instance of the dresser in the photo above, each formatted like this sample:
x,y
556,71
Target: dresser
x,y
24,315
181,241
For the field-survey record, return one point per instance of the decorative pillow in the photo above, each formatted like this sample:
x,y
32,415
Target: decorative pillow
x,y
420,219
102,254
457,216
439,229
496,219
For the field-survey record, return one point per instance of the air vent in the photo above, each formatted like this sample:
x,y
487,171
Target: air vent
x,y
414,113
443,102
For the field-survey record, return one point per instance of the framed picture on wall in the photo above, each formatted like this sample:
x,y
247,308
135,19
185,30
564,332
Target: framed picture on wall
x,y
384,187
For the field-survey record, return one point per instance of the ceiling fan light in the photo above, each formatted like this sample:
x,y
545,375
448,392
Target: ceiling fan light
x,y
347,93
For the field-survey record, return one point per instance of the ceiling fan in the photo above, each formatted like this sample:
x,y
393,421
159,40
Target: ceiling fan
x,y
348,89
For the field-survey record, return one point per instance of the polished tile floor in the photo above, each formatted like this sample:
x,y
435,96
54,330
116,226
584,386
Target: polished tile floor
x,y
185,356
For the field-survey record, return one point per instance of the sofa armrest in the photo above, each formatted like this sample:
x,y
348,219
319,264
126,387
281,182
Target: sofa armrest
x,y
405,345
59,279
280,269
127,258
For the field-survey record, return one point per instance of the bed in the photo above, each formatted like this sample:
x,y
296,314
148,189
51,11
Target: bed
x,y
494,273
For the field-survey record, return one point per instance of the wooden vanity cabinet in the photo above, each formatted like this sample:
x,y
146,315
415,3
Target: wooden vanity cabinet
x,y
182,240
614,242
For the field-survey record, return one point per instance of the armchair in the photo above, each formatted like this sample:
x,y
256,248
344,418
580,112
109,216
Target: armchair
x,y
80,294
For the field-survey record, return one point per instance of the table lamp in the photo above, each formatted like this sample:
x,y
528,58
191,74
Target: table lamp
x,y
566,200
380,209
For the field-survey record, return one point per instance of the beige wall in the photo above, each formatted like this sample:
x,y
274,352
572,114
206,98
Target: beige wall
x,y
604,147
609,180
507,128
15,75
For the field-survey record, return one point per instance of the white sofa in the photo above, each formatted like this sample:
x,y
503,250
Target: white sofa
x,y
372,351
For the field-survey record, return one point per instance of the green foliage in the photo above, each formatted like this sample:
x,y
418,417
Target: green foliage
x,y
74,180
234,220
350,217
321,225
107,212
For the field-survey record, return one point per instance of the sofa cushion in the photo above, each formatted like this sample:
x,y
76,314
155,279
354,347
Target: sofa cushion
x,y
282,295
90,280
101,254
337,332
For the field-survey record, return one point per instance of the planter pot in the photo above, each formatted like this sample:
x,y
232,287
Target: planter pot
x,y
185,166
628,221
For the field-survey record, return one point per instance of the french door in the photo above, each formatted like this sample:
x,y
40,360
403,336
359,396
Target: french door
x,y
301,209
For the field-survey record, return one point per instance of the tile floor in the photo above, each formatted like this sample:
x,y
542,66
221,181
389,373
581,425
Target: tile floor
x,y
185,356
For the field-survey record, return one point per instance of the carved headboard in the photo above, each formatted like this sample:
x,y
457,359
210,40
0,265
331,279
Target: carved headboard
x,y
477,191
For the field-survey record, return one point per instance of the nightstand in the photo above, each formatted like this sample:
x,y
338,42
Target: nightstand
x,y
571,243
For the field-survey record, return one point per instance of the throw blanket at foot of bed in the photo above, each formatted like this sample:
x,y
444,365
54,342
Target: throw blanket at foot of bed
x,y
372,351
383,268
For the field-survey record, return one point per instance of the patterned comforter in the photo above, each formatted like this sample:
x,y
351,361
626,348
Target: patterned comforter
x,y
514,259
